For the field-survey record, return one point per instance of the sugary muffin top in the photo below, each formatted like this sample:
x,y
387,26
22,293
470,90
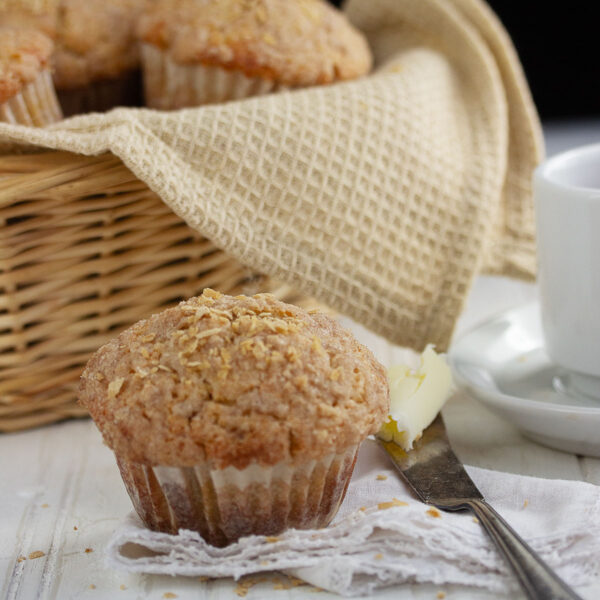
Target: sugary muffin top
x,y
95,40
20,13
235,381
24,53
295,42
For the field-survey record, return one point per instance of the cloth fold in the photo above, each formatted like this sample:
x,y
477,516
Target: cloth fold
x,y
383,536
382,197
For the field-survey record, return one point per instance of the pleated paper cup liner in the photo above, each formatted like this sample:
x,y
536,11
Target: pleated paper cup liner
x,y
224,505
169,85
36,104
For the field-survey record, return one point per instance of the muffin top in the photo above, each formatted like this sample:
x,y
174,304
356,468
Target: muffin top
x,y
295,42
23,54
95,40
20,13
234,381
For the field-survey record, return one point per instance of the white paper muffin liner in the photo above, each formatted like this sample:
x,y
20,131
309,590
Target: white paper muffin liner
x,y
224,505
36,104
169,85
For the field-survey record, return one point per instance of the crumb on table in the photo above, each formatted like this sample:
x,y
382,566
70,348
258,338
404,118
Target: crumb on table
x,y
245,584
36,554
394,502
282,585
288,582
434,512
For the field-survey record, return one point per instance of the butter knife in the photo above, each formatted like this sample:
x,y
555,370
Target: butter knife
x,y
438,478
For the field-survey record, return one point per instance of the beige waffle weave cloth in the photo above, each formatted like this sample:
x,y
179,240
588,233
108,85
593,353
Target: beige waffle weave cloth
x,y
382,197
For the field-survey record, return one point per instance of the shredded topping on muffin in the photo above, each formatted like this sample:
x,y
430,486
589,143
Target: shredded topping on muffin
x,y
234,381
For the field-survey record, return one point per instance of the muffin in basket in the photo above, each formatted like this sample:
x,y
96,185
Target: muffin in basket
x,y
96,63
96,57
27,94
235,416
39,15
203,51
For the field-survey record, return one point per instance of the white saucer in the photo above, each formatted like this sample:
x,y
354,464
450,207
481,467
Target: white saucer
x,y
503,363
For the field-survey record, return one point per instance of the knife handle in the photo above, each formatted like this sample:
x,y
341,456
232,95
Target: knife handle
x,y
536,578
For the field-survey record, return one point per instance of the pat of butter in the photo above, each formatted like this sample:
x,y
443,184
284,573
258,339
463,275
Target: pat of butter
x,y
416,395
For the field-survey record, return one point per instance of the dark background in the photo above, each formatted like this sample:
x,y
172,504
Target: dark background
x,y
558,43
559,46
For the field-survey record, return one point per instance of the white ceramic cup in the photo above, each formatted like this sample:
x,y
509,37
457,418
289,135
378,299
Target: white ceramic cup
x,y
567,204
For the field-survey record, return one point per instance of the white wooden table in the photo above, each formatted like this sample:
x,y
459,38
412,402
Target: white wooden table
x,y
61,494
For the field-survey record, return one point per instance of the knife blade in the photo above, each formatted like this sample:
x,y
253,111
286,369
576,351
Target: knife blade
x,y
437,477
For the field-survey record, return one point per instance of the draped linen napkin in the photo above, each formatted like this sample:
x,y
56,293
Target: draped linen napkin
x,y
382,197
368,549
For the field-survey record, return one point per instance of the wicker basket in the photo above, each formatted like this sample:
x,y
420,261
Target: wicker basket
x,y
86,250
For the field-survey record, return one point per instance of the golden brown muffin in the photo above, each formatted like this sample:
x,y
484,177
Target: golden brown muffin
x,y
96,61
95,40
36,15
96,57
243,415
242,48
26,92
